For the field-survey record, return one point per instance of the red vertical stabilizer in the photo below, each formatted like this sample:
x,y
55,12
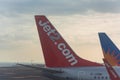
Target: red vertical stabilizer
x,y
57,52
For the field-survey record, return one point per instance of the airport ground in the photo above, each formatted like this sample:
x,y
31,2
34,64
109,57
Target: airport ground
x,y
20,73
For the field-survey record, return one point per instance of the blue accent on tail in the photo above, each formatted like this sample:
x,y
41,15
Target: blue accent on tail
x,y
108,45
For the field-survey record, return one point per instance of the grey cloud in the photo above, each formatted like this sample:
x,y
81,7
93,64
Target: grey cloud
x,y
15,40
62,7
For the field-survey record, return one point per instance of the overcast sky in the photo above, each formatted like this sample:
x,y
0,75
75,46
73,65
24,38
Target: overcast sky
x,y
78,21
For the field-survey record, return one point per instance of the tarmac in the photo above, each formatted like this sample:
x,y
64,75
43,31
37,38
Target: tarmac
x,y
20,73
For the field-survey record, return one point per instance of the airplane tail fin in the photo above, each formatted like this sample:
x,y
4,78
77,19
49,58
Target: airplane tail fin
x,y
110,51
112,73
57,52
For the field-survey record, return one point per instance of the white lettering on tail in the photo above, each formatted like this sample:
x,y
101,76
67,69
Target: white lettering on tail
x,y
54,36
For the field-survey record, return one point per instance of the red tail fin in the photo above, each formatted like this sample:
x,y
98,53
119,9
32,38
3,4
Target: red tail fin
x,y
113,75
57,52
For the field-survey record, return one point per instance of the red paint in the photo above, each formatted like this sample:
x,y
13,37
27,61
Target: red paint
x,y
55,49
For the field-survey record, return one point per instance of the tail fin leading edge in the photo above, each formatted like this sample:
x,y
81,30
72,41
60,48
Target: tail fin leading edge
x,y
112,73
110,51
57,52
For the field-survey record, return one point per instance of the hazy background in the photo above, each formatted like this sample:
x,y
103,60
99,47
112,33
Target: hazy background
x,y
79,22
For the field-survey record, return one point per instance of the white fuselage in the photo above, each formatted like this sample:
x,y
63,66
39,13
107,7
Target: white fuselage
x,y
84,73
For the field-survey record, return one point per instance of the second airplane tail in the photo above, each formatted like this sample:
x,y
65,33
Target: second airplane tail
x,y
110,51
